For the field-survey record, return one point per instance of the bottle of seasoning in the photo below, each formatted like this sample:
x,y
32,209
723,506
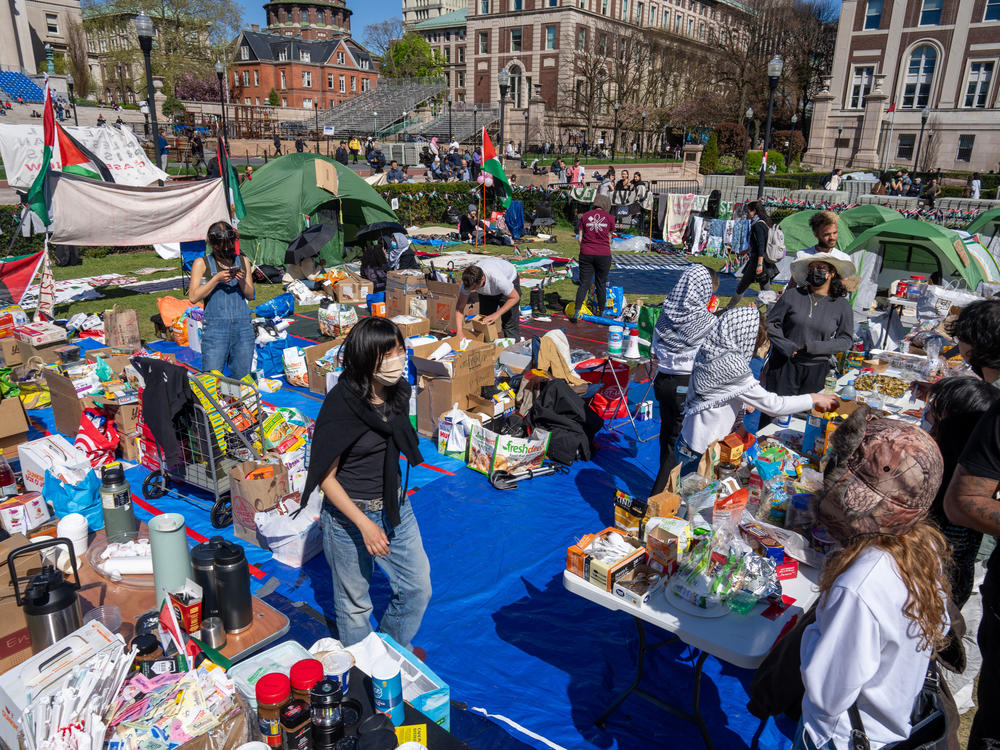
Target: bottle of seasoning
x,y
304,675
273,692
296,726
148,651
328,722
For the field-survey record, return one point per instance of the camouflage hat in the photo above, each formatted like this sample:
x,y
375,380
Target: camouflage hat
x,y
882,480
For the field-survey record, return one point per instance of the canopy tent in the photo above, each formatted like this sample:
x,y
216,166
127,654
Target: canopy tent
x,y
987,226
896,249
290,194
862,218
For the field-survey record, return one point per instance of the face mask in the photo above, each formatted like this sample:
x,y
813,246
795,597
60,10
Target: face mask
x,y
391,370
816,277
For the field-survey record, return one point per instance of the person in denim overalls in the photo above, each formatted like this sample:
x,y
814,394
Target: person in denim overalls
x,y
224,285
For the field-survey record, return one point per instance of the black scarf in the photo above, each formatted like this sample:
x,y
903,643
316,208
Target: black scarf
x,y
345,416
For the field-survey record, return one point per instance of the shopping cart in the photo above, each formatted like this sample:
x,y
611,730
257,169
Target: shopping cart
x,y
220,431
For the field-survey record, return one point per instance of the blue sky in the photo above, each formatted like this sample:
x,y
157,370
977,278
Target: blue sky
x,y
365,12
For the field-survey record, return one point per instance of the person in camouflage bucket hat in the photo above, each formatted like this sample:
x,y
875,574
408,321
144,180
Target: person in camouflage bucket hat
x,y
882,478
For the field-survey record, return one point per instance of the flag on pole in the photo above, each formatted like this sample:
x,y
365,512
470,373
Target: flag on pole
x,y
78,159
37,200
892,107
17,273
494,167
236,208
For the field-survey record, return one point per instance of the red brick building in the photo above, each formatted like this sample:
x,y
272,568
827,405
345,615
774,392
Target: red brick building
x,y
305,55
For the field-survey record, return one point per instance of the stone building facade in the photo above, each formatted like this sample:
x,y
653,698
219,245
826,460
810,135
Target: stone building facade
x,y
415,11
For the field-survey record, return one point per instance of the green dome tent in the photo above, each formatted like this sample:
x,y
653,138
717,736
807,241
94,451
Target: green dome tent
x,y
863,218
987,225
901,247
798,235
285,194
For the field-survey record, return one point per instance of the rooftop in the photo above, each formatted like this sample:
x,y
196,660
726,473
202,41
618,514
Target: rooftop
x,y
447,21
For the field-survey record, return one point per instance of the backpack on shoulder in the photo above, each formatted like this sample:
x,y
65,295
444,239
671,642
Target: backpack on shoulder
x,y
775,250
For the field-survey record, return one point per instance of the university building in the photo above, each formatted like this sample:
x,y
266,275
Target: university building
x,y
934,63
415,11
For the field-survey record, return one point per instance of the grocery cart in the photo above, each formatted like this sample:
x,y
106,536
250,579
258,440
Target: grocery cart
x,y
220,430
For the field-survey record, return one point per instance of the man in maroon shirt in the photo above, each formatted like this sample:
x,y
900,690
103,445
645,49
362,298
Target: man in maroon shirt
x,y
594,228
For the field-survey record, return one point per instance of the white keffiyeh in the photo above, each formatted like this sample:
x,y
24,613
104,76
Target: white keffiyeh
x,y
722,366
685,320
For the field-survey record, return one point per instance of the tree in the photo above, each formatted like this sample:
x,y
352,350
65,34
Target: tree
x,y
171,105
76,54
380,36
411,57
710,156
273,98
197,88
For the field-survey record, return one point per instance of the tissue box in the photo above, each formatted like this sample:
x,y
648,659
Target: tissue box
x,y
23,513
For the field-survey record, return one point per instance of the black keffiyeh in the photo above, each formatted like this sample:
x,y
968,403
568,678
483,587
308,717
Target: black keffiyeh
x,y
722,366
685,320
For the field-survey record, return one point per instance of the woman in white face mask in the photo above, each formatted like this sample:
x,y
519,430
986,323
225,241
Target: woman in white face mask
x,y
362,429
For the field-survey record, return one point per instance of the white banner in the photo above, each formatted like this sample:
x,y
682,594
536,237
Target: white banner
x,y
21,148
88,212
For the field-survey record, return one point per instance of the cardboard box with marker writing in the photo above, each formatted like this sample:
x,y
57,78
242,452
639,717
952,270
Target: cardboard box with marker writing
x,y
15,643
441,383
398,302
442,298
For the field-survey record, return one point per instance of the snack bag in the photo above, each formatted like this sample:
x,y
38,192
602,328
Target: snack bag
x,y
296,370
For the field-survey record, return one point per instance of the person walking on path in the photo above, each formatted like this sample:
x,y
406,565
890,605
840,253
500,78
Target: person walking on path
x,y
594,228
758,269
361,432
162,150
683,324
277,145
354,146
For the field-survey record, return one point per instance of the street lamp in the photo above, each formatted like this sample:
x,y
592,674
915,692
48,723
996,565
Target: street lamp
x,y
642,138
475,127
503,81
925,114
144,30
72,99
524,148
749,119
791,139
220,73
773,76
316,109
614,145
451,132
404,126
836,146
375,125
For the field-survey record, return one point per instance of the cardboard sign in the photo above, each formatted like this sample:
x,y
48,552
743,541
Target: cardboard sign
x,y
326,176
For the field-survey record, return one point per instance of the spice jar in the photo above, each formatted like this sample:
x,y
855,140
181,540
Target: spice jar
x,y
148,648
274,692
303,675
328,722
296,726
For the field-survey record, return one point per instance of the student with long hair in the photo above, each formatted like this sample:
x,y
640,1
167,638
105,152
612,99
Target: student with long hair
x,y
758,269
683,324
362,428
881,612
222,280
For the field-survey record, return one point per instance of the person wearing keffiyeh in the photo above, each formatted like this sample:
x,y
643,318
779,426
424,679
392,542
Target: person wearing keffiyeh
x,y
683,324
722,385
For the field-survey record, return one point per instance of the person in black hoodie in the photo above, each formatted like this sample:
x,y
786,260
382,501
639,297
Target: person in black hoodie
x,y
362,429
758,269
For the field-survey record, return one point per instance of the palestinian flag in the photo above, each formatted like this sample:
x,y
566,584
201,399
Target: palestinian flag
x,y
78,159
236,208
16,275
37,200
493,166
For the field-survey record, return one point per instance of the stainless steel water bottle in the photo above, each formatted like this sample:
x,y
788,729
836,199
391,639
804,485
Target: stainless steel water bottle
x,y
232,587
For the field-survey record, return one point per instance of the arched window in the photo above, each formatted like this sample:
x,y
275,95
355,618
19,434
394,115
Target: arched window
x,y
919,77
515,85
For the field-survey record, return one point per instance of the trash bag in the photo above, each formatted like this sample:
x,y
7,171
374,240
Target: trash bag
x,y
280,307
83,498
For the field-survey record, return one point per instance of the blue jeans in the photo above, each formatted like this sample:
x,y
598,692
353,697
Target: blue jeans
x,y
686,456
227,343
802,741
406,567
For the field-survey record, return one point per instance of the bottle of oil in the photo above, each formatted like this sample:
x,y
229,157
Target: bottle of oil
x,y
116,503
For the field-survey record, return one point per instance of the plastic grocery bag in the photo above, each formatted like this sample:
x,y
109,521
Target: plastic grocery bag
x,y
453,433
293,538
83,498
97,437
269,362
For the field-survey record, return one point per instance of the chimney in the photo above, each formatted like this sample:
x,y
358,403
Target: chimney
x,y
255,27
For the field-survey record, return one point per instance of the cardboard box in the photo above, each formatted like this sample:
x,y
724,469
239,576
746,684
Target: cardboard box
x,y
637,586
51,453
23,513
128,446
480,330
442,298
13,424
601,574
15,643
10,351
407,281
411,325
67,404
40,334
663,550
317,375
400,303
352,290
476,357
48,353
663,505
250,496
437,395
629,513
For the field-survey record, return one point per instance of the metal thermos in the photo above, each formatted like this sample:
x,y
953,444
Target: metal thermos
x,y
232,586
51,606
120,523
203,564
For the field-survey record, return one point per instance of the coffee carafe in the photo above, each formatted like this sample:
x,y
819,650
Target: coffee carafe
x,y
51,605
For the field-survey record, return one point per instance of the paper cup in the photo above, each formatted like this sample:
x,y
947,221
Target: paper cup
x,y
337,665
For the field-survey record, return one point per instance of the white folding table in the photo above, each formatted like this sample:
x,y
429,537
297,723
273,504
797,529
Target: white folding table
x,y
741,640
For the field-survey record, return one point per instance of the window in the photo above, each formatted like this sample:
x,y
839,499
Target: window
x,y
992,10
307,79
640,8
52,23
244,52
484,7
518,4
284,102
861,85
460,79
354,83
329,80
873,14
604,7
553,3
515,40
340,58
366,84
581,39
246,77
602,45
305,55
447,54
919,76
342,84
652,15
624,9
904,150
307,103
484,42
978,89
701,32
677,23
236,79
690,27
930,12
447,36
965,143
256,78
461,54
283,85
622,48
246,100
550,37
282,55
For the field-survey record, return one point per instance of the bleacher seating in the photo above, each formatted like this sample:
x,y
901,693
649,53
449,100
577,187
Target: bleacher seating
x,y
390,98
19,85
464,124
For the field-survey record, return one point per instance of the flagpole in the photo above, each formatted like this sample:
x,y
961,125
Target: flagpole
x,y
888,141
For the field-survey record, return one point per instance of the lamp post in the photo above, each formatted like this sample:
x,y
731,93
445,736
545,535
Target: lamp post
x,y
72,99
642,138
524,148
925,114
836,146
220,73
773,76
316,109
49,62
749,118
791,139
614,144
451,132
475,128
374,124
503,81
144,30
